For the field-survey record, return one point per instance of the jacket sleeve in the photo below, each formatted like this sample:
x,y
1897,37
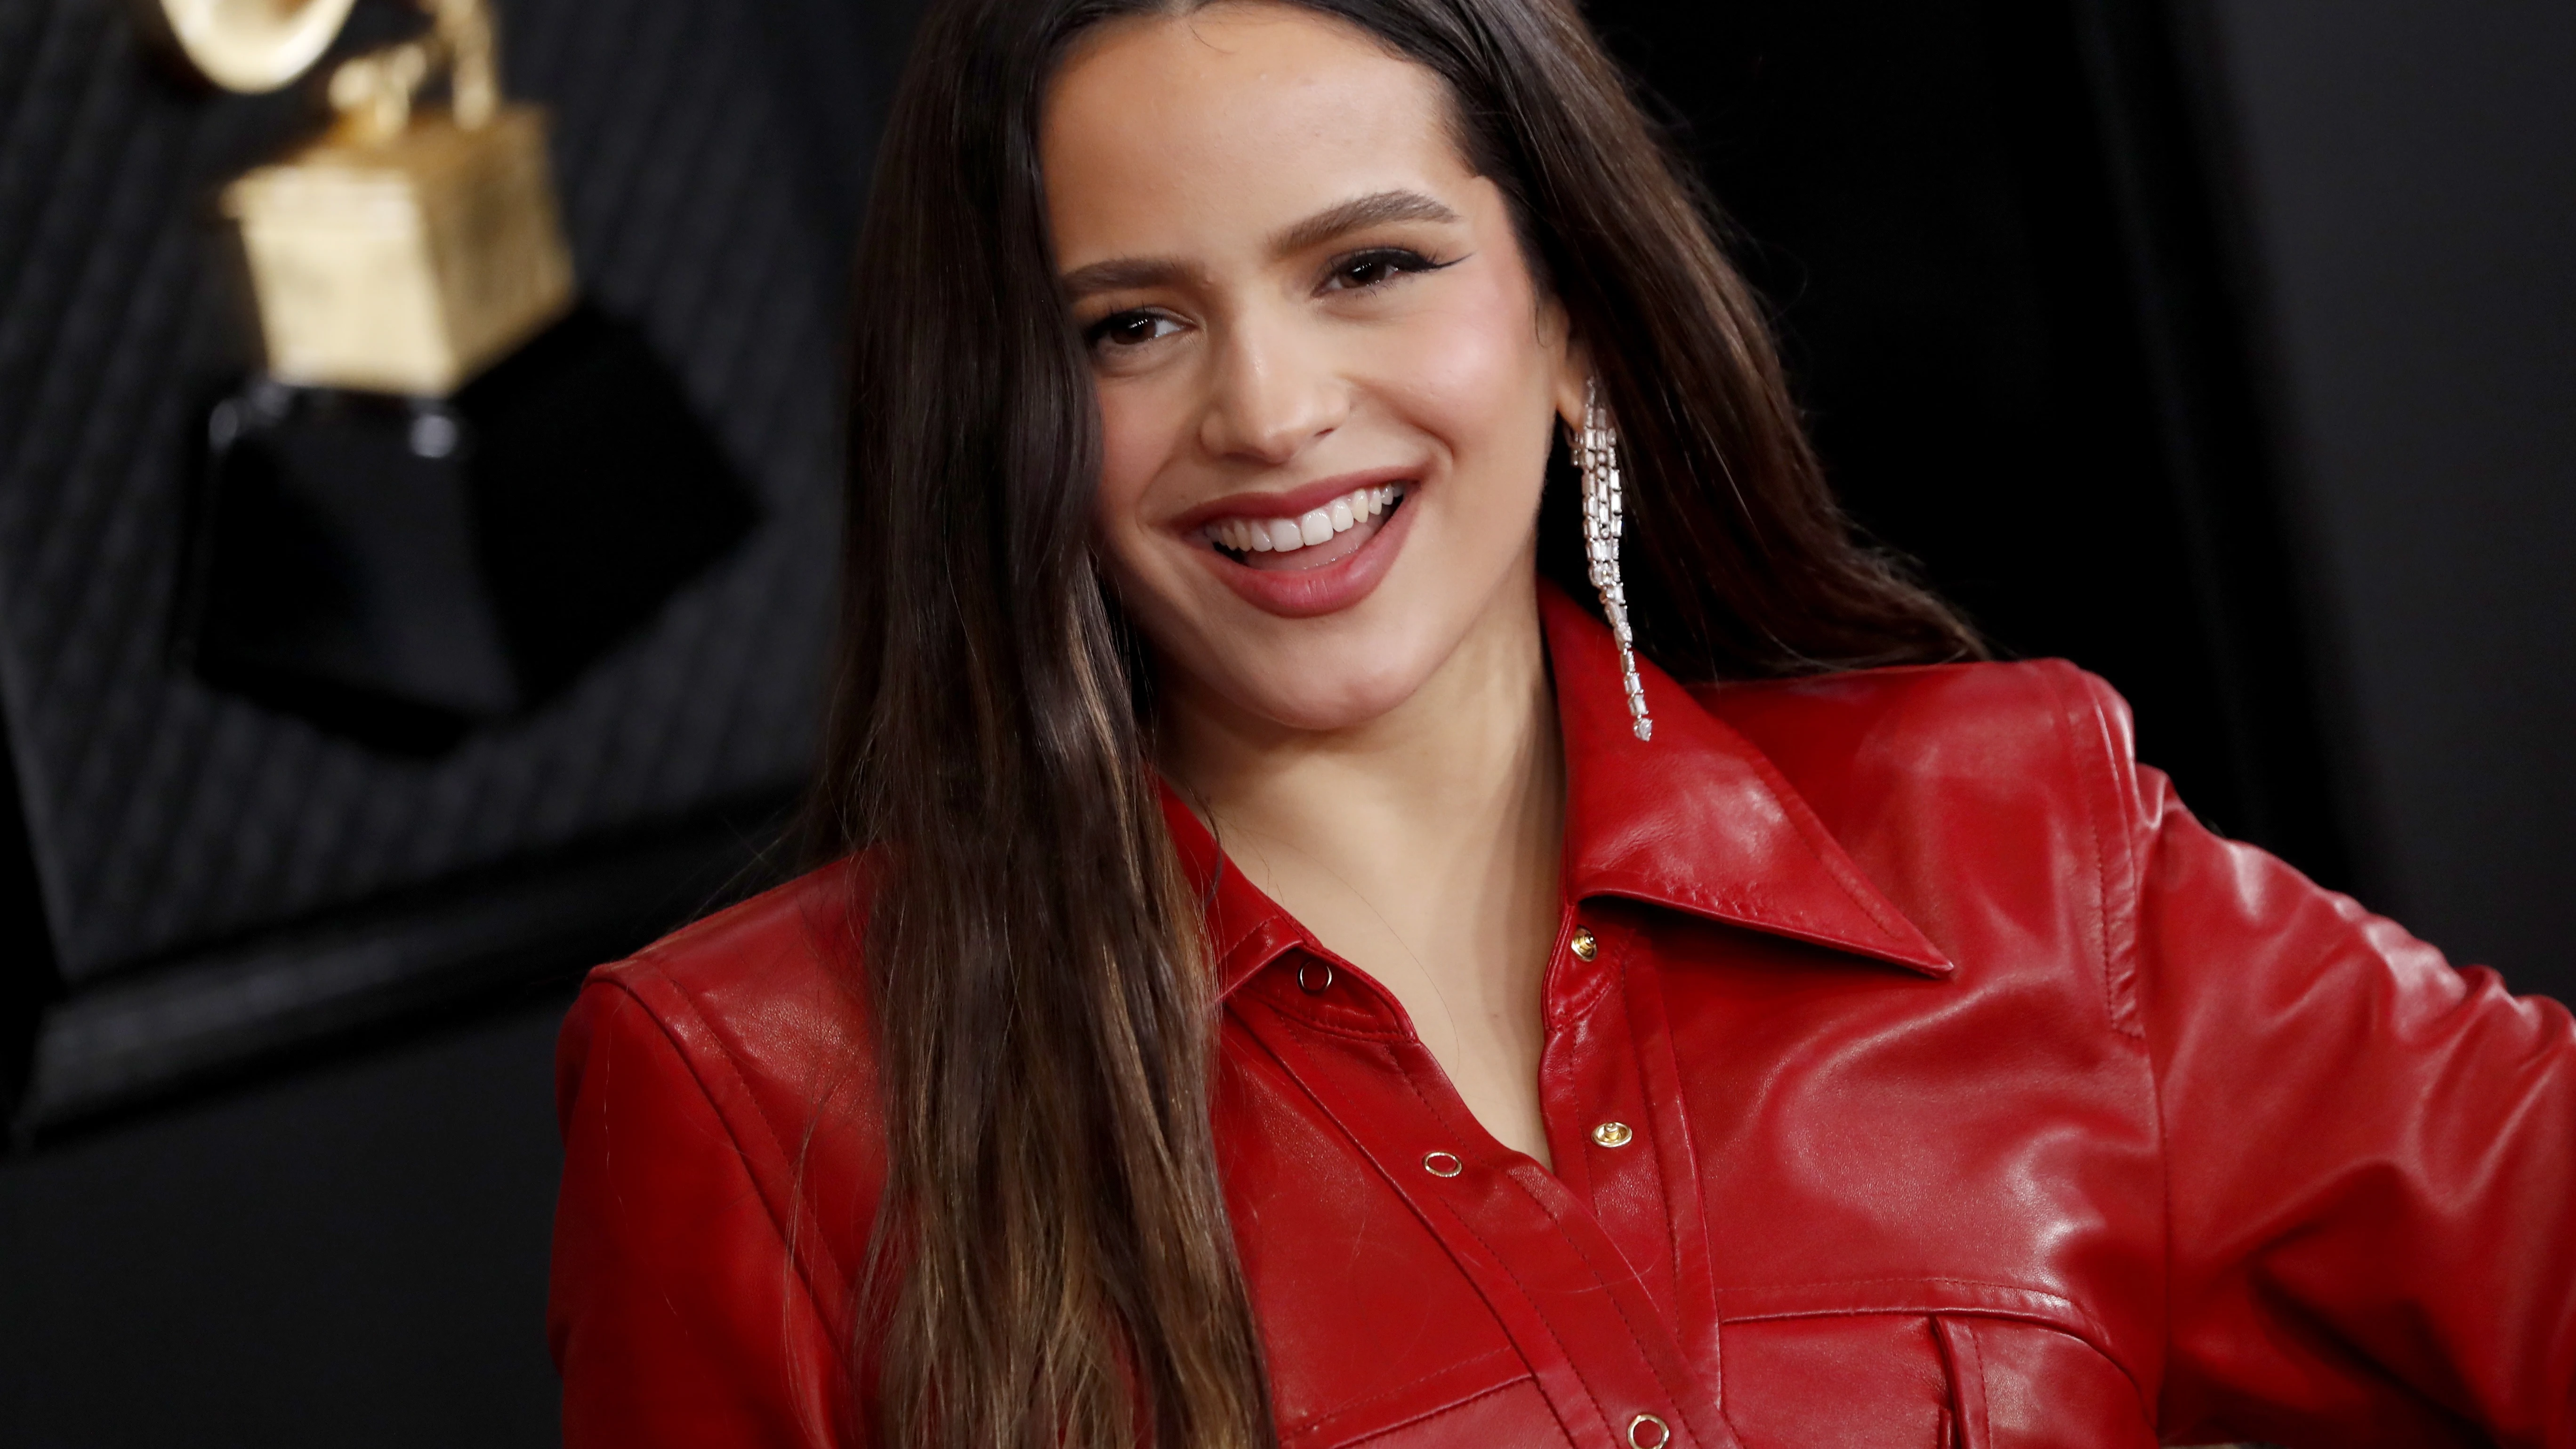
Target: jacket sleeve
x,y
2371,1164
676,1317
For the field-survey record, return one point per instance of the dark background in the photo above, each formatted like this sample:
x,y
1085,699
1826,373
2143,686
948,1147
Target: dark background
x,y
2225,347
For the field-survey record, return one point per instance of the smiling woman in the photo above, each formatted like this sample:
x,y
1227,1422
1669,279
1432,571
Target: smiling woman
x,y
1349,314
1267,983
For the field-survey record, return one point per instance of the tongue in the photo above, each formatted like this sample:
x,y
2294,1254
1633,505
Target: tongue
x,y
1317,555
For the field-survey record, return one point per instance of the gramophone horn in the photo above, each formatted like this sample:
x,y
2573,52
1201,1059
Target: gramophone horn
x,y
247,45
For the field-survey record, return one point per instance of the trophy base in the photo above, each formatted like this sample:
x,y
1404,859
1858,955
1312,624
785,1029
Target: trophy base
x,y
401,570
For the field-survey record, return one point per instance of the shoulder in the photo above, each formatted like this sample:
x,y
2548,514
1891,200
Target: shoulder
x,y
771,983
2041,734
1931,704
722,1158
754,1013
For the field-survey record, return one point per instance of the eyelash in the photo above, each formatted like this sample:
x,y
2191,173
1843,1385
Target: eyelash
x,y
1398,262
1401,261
1097,334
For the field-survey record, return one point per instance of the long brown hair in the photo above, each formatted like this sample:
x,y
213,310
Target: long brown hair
x,y
1052,1264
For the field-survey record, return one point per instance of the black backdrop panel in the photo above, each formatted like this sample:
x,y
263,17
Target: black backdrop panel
x,y
709,159
1990,234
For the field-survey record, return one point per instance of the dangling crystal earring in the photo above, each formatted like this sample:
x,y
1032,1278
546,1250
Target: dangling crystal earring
x,y
1603,521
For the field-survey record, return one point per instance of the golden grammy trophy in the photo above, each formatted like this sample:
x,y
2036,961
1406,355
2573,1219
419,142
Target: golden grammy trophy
x,y
452,488
412,244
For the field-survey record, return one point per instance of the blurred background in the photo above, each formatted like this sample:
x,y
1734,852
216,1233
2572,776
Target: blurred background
x,y
2227,348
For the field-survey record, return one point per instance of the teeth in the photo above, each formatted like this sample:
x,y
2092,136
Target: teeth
x,y
1286,535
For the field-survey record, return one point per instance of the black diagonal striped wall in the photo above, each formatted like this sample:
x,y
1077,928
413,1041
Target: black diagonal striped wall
x,y
195,853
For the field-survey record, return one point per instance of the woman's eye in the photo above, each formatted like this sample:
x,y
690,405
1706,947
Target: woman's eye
x,y
1131,329
1375,268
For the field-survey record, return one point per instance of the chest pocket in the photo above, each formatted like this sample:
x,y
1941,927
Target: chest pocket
x,y
1831,1368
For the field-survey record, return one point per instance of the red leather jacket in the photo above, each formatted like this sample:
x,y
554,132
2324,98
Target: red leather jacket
x,y
1917,1073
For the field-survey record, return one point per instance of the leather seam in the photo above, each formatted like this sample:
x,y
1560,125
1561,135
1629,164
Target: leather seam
x,y
2074,1310
1243,940
1627,1010
2090,1339
2092,1331
1628,945
1732,909
1418,1207
786,1243
1635,1341
2093,826
2119,909
1347,1033
796,1271
1373,1434
1235,975
2063,717
1564,1353
1307,1424
1958,1344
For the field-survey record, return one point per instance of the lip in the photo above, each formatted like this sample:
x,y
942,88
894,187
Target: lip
x,y
1303,499
1312,593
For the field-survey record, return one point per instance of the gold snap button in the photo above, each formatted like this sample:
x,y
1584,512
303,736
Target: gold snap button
x,y
1612,1134
1648,1432
1315,976
1584,945
1442,1164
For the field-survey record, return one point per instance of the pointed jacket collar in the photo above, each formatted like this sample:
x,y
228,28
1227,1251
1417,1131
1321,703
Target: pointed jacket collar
x,y
1695,820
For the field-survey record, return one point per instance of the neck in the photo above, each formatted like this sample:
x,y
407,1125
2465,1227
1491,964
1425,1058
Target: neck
x,y
1476,745
1421,847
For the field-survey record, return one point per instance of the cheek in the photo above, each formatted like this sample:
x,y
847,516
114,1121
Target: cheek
x,y
1138,428
1476,374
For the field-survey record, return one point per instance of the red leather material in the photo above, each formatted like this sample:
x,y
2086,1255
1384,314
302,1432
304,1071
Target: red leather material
x,y
1974,1096
1794,1383
2021,1386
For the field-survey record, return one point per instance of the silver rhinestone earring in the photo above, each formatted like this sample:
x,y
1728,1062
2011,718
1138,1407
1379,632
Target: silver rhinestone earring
x,y
1603,521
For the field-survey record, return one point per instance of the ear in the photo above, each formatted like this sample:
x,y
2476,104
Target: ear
x,y
1572,364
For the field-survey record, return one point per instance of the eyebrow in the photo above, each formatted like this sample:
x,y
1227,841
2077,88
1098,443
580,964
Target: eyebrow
x,y
1376,209
1120,274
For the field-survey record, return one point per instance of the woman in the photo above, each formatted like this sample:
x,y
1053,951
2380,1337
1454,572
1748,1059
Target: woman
x,y
1291,973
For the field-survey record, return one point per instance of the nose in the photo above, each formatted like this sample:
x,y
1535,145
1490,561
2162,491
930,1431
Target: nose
x,y
1274,391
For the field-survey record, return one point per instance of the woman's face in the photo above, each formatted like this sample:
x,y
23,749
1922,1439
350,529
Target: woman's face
x,y
1327,379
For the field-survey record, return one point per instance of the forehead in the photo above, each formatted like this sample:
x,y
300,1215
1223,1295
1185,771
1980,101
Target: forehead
x,y
1221,125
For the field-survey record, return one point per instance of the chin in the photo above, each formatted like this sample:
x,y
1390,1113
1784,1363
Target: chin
x,y
1343,696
